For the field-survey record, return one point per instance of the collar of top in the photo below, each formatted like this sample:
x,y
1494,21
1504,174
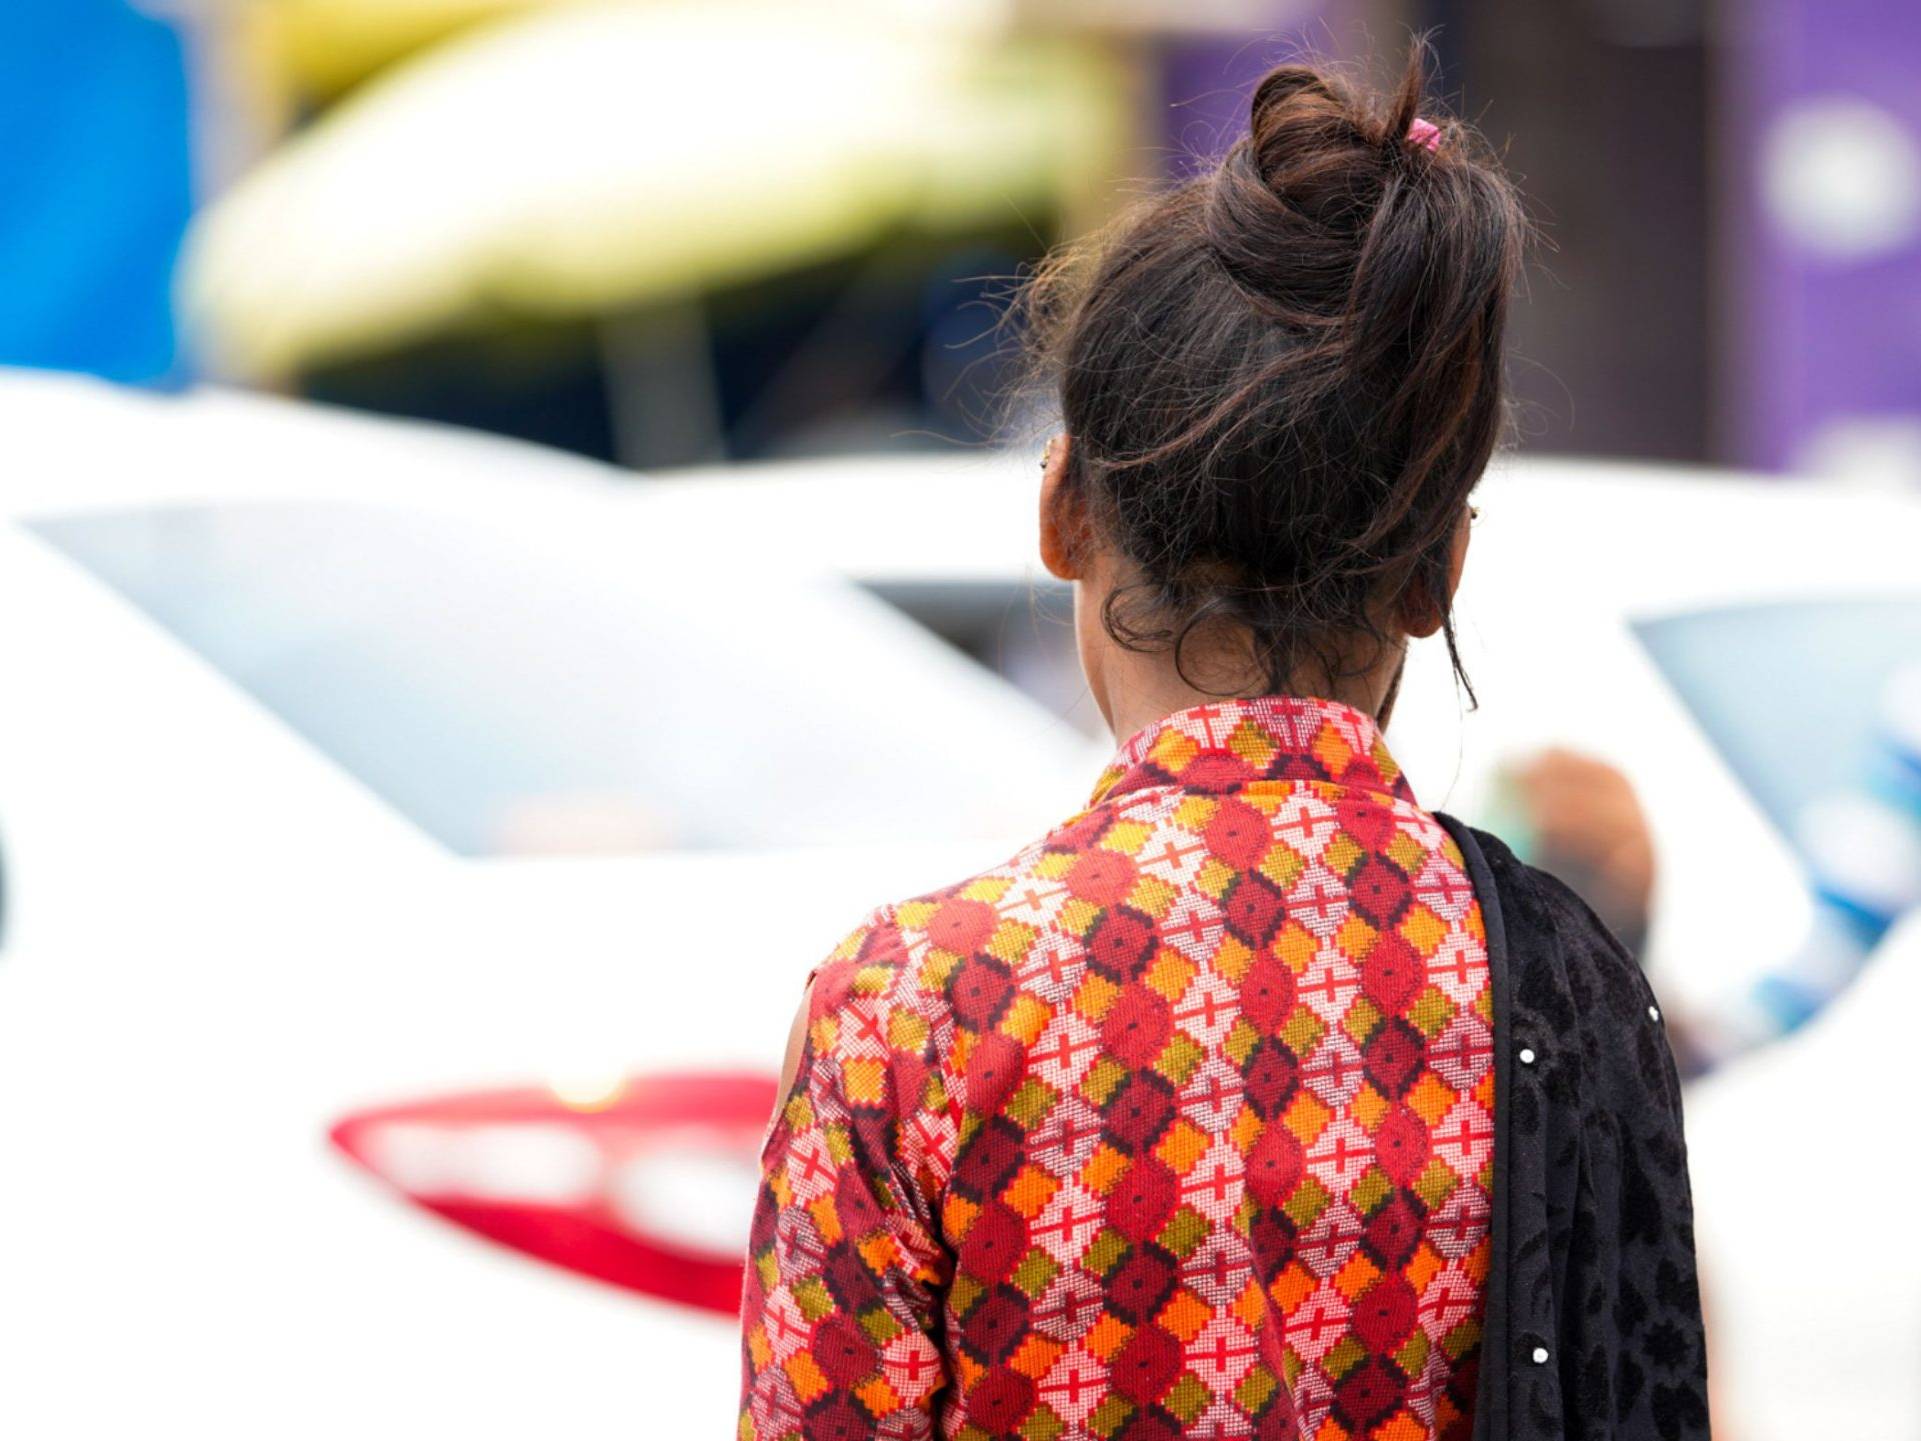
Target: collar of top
x,y
1227,744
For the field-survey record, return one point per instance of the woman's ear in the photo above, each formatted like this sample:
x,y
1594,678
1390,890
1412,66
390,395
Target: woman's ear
x,y
1063,518
1420,616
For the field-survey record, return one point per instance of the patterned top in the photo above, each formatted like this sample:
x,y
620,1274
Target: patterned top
x,y
1177,1124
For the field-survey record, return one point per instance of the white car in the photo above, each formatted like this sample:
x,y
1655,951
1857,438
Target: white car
x,y
296,701
299,707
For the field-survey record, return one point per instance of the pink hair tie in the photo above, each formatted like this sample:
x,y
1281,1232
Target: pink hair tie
x,y
1424,133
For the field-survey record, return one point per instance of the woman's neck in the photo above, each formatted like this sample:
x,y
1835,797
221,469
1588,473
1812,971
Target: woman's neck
x,y
1135,690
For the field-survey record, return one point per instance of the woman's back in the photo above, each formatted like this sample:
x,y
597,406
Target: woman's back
x,y
1233,1107
1177,1124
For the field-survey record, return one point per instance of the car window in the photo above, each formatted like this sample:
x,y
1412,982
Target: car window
x,y
583,685
1837,658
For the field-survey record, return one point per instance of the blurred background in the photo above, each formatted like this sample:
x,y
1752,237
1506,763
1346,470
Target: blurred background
x,y
513,512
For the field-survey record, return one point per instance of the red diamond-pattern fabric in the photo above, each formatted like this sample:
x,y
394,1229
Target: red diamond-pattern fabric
x,y
1180,1123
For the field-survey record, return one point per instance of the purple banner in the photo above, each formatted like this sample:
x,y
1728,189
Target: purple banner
x,y
1820,344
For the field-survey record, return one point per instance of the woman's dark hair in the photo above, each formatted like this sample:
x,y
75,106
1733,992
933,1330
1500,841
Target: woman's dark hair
x,y
1282,378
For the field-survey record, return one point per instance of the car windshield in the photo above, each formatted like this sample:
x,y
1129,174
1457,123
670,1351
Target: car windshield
x,y
581,685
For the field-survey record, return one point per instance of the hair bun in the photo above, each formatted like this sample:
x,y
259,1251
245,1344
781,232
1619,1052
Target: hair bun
x,y
1295,197
1283,378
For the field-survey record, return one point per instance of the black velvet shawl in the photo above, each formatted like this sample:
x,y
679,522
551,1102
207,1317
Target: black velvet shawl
x,y
1593,1326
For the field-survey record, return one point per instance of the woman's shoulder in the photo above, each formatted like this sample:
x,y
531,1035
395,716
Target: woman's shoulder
x,y
1568,976
996,925
1594,1166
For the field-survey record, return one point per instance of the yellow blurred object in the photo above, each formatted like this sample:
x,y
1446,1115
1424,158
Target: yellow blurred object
x,y
317,49
598,156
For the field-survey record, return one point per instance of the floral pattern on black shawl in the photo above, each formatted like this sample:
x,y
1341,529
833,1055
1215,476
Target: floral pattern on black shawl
x,y
1594,1315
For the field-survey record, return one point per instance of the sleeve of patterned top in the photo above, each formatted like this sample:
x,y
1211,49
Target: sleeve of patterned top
x,y
845,1274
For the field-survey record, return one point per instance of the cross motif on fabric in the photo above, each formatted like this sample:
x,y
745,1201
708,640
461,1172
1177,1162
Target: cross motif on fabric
x,y
1007,1151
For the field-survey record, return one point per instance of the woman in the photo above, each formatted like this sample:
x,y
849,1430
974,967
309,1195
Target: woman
x,y
1253,1100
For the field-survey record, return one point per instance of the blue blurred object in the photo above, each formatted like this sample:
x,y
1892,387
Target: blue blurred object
x,y
95,188
1827,745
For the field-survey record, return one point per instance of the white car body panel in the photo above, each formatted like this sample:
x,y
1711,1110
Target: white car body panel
x,y
219,942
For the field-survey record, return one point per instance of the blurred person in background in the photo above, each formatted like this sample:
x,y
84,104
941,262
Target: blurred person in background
x,y
1254,1100
1587,827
